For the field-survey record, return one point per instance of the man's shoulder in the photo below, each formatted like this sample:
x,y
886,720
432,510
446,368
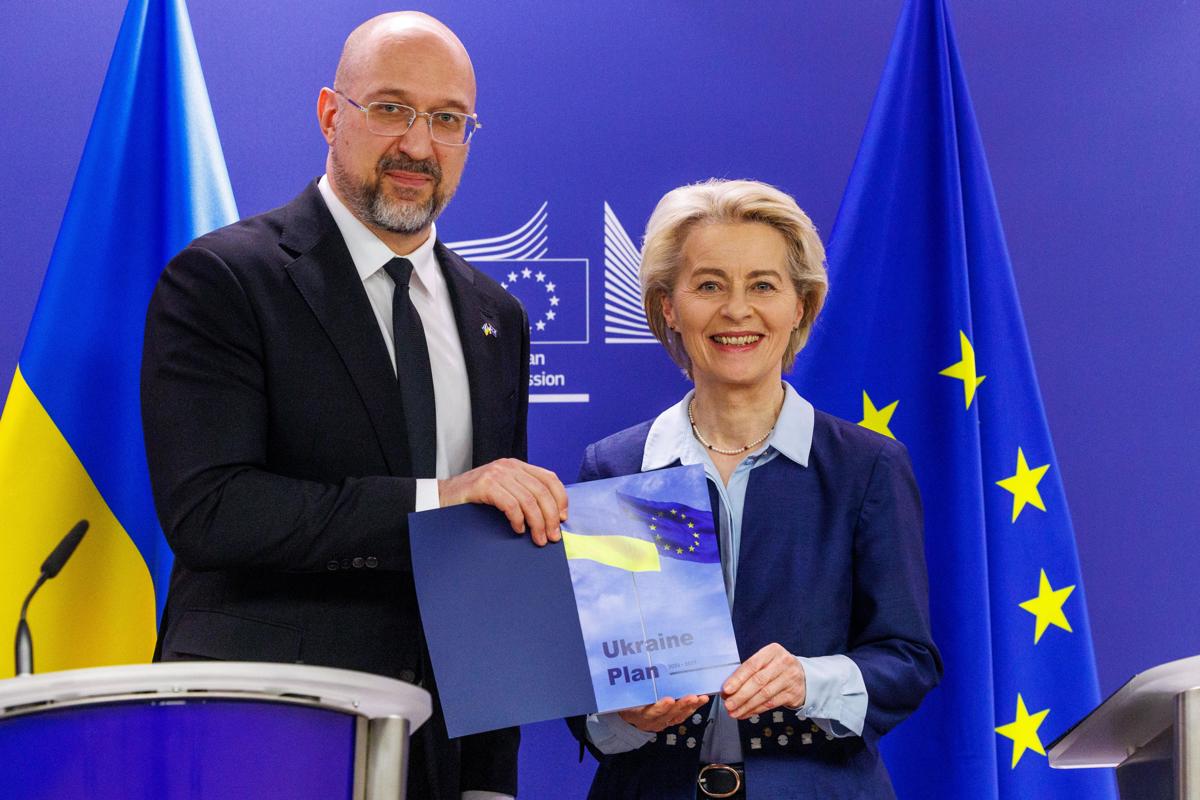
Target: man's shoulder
x,y
487,287
267,233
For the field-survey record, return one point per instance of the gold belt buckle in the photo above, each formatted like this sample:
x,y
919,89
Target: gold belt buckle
x,y
737,780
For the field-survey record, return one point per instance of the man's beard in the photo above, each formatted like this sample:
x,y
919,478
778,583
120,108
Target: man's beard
x,y
372,205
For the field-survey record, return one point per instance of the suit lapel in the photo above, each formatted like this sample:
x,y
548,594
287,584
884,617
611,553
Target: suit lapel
x,y
479,332
324,274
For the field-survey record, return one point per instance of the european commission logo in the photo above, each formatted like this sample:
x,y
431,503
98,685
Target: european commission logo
x,y
554,291
624,318
556,295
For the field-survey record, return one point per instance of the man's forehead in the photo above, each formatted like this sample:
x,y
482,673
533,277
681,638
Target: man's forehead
x,y
414,43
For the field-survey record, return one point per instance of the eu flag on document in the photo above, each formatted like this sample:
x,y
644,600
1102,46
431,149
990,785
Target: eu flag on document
x,y
151,179
923,340
631,607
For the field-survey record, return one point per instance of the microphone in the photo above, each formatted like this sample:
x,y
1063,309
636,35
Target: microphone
x,y
50,567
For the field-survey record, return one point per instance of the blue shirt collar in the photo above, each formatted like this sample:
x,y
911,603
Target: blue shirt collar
x,y
671,440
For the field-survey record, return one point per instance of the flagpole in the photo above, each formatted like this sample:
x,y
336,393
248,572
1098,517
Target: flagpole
x,y
645,636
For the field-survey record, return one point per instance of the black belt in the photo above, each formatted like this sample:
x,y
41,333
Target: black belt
x,y
721,780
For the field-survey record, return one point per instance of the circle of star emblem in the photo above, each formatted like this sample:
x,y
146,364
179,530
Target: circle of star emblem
x,y
540,277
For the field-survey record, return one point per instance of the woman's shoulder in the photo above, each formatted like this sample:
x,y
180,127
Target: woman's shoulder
x,y
617,454
845,441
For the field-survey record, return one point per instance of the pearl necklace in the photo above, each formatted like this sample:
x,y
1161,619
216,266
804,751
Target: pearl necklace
x,y
700,438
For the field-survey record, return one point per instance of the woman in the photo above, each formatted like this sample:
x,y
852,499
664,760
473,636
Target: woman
x,y
820,524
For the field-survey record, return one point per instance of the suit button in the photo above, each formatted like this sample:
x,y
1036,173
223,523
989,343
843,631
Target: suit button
x,y
372,562
332,566
358,562
407,675
345,563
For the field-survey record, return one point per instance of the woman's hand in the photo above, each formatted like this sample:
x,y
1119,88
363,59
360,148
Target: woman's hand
x,y
770,678
663,714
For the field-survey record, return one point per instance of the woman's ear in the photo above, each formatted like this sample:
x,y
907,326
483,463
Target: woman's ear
x,y
668,311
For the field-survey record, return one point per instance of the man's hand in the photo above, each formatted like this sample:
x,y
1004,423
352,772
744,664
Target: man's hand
x,y
531,497
770,678
663,714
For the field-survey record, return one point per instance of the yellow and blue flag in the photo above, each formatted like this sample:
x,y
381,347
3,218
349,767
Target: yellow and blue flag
x,y
614,550
152,177
923,340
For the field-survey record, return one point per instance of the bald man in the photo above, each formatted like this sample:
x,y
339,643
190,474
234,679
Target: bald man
x,y
313,374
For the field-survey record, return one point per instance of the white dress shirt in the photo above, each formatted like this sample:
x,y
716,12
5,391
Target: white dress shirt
x,y
431,297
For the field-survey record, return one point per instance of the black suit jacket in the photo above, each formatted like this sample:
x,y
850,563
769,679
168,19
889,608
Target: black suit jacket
x,y
280,463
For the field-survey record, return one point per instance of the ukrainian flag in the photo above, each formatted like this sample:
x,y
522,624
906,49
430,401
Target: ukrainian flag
x,y
151,179
622,552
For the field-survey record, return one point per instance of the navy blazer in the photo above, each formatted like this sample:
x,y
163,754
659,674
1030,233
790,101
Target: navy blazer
x,y
832,561
280,462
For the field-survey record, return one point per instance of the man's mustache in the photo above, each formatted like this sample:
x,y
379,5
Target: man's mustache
x,y
405,164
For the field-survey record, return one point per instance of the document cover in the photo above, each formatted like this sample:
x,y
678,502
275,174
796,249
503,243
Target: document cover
x,y
628,608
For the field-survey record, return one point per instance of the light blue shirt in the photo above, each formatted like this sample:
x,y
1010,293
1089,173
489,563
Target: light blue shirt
x,y
836,697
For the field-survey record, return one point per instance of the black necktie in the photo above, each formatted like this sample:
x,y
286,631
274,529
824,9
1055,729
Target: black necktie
x,y
413,372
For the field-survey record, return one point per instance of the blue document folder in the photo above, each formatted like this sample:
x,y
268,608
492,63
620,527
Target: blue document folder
x,y
629,608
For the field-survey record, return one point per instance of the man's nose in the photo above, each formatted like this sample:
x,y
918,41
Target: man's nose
x,y
417,142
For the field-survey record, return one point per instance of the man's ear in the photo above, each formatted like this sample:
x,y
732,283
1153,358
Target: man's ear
x,y
327,109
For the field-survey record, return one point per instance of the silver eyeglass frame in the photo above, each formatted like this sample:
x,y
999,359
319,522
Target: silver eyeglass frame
x,y
428,115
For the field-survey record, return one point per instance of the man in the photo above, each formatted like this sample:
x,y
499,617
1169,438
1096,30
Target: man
x,y
313,374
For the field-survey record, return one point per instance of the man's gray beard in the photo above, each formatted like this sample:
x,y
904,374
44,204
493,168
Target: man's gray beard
x,y
372,206
398,216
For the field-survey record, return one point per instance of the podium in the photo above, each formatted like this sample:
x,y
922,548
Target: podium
x,y
198,730
1149,730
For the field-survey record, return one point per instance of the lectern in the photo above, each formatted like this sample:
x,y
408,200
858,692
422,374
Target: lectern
x,y
203,730
1149,730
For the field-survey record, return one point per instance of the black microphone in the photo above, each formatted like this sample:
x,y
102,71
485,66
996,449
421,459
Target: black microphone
x,y
50,567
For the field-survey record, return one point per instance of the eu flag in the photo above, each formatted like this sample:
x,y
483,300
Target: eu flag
x,y
554,292
922,339
151,178
677,530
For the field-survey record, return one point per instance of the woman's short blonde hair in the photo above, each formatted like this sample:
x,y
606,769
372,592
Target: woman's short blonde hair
x,y
723,201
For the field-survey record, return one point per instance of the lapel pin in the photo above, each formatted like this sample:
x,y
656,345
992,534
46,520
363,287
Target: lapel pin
x,y
489,329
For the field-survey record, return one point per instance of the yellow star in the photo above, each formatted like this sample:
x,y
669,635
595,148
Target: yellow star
x,y
1024,485
673,512
667,548
692,549
1047,607
964,370
877,419
1024,731
653,527
679,550
691,524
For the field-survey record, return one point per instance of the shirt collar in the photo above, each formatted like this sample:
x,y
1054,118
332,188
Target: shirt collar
x,y
670,438
368,252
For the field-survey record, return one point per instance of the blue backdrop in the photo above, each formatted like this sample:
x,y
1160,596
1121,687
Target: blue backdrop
x,y
1089,115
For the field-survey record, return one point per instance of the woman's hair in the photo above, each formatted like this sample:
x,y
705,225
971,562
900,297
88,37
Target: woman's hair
x,y
722,201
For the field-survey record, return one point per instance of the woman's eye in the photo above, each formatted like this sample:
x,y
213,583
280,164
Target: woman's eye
x,y
764,286
708,286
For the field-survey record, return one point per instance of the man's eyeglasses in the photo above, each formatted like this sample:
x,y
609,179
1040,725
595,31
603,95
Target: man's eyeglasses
x,y
395,119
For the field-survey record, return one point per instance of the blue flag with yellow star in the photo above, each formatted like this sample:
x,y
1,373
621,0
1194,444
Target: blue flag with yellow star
x,y
677,530
922,340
